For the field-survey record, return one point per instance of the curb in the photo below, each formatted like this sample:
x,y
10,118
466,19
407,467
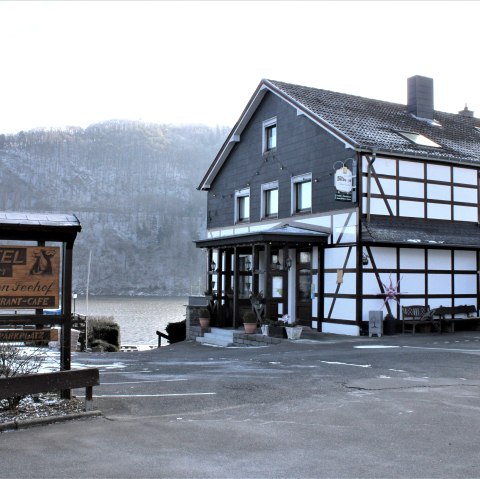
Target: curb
x,y
41,421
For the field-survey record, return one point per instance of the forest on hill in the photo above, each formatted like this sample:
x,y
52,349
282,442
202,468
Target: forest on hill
x,y
132,185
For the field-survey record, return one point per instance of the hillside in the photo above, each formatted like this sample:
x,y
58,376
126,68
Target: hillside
x,y
133,187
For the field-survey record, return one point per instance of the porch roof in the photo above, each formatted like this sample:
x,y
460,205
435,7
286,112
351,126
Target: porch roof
x,y
420,232
284,235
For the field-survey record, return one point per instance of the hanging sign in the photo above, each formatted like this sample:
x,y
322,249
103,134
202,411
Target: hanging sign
x,y
29,277
343,184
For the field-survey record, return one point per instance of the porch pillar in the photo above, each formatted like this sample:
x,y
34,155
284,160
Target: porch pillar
x,y
255,268
268,285
236,283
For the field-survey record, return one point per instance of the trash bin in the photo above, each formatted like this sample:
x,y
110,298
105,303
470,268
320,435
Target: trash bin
x,y
375,323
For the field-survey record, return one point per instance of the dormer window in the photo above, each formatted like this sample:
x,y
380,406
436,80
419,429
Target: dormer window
x,y
418,139
269,134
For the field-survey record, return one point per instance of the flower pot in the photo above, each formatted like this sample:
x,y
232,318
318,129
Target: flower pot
x,y
293,332
204,322
250,328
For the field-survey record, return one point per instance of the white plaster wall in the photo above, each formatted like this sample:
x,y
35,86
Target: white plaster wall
x,y
412,258
385,258
412,189
411,169
439,284
374,190
384,166
465,195
412,209
350,233
343,309
465,283
466,260
465,213
438,192
439,259
467,176
412,283
372,305
439,211
348,330
335,257
389,186
438,172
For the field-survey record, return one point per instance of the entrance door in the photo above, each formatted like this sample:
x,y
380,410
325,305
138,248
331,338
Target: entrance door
x,y
303,288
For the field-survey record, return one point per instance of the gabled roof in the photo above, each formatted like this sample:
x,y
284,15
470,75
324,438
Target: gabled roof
x,y
365,125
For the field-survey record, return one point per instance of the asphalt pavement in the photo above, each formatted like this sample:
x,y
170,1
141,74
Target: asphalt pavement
x,y
340,407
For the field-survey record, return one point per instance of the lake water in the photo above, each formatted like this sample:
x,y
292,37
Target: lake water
x,y
139,317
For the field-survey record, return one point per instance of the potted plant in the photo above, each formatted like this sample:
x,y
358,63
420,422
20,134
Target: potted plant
x,y
390,325
250,322
292,329
204,318
265,326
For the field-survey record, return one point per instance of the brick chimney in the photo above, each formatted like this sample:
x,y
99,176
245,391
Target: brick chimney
x,y
466,112
420,97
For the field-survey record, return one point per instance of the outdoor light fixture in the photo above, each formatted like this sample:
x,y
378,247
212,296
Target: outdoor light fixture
x,y
364,259
213,284
288,263
213,266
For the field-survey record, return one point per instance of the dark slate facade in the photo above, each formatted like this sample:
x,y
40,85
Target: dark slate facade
x,y
302,147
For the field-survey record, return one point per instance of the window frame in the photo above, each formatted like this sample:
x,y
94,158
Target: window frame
x,y
241,195
266,188
267,126
296,182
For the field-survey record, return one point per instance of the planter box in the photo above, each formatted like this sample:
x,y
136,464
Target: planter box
x,y
277,332
294,332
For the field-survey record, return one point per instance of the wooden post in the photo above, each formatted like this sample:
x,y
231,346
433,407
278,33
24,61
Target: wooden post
x,y
66,341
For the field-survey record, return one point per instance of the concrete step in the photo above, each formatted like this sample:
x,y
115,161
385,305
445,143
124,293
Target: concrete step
x,y
217,337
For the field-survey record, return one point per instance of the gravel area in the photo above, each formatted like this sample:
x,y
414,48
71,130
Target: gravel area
x,y
43,405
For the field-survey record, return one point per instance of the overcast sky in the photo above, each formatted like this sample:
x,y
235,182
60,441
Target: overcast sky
x,y
77,63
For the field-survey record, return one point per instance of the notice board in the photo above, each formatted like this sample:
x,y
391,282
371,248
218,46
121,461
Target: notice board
x,y
29,277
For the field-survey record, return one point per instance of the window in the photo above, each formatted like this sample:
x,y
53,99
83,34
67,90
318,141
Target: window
x,y
269,134
302,194
242,205
418,139
270,200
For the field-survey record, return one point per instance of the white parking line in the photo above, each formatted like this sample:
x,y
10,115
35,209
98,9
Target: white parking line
x,y
147,381
148,395
348,364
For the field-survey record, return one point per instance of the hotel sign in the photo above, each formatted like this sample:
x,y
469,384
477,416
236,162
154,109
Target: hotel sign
x,y
29,277
343,184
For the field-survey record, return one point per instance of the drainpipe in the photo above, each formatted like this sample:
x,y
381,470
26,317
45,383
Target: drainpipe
x,y
369,179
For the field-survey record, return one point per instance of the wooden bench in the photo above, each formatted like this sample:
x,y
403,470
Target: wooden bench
x,y
449,316
417,315
47,382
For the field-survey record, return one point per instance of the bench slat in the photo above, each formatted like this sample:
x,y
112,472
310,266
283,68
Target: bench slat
x,y
45,382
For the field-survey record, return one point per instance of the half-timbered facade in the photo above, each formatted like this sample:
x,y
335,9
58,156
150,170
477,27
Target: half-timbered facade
x,y
322,200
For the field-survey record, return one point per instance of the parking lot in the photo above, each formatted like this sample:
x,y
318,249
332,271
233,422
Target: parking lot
x,y
396,406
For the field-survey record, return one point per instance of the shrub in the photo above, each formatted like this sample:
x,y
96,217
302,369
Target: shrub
x,y
249,317
176,331
104,328
17,361
203,313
